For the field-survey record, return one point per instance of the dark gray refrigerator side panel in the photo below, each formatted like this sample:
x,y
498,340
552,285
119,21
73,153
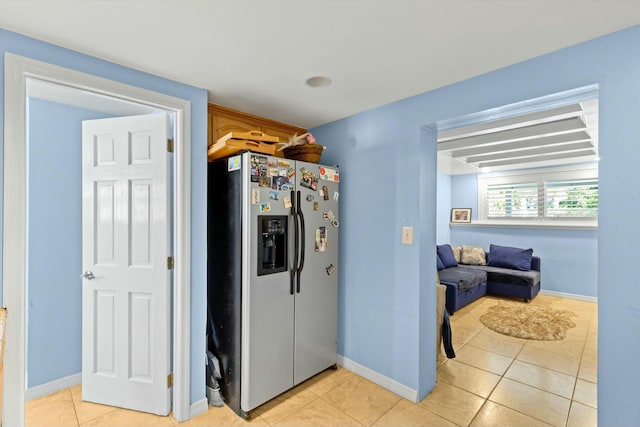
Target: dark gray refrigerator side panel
x,y
224,282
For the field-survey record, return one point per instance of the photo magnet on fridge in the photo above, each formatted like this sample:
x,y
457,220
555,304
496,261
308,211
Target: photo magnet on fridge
x,y
280,183
321,239
325,192
308,179
265,207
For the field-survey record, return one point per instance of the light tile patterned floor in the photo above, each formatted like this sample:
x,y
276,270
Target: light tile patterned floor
x,y
495,380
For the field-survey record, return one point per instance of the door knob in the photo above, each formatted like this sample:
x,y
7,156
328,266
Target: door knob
x,y
88,275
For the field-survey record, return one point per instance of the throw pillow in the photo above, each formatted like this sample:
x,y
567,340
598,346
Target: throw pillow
x,y
440,265
473,255
446,256
508,257
457,251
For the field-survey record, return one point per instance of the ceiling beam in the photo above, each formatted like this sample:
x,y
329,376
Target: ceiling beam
x,y
531,152
522,120
574,124
526,143
543,158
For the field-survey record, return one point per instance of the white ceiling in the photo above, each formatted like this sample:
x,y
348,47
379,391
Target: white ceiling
x,y
255,56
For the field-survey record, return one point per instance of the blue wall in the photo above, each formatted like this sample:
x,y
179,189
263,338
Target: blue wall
x,y
384,139
443,205
54,247
464,193
569,257
28,47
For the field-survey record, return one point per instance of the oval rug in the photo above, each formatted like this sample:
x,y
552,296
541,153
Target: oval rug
x,y
527,321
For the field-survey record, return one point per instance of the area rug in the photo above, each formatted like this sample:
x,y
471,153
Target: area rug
x,y
523,320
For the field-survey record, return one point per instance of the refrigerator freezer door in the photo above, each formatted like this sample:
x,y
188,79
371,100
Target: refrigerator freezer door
x,y
316,304
267,304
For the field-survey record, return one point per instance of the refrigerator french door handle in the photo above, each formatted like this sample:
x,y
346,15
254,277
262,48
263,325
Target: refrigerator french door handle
x,y
294,267
302,243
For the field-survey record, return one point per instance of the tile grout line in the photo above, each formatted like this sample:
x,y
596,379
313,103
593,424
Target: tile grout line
x,y
571,401
75,410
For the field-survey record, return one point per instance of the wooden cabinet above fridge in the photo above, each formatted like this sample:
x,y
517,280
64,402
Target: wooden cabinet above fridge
x,y
223,120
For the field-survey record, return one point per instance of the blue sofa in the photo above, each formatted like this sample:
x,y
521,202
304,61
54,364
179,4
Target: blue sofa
x,y
466,283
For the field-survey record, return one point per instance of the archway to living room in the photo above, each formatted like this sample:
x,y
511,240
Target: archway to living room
x,y
524,175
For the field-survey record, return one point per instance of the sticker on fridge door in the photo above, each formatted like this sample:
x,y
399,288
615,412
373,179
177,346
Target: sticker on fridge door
x,y
328,215
308,179
287,202
321,239
336,196
233,164
265,207
329,174
255,196
273,195
330,269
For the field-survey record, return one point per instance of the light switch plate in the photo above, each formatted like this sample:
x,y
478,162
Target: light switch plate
x,y
407,235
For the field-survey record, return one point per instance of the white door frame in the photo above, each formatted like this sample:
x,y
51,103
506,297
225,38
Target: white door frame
x,y
17,70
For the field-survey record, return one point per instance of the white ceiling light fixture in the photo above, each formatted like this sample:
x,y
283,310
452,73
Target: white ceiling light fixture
x,y
318,81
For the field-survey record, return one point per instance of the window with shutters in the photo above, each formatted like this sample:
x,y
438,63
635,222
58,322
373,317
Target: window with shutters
x,y
557,195
577,198
512,200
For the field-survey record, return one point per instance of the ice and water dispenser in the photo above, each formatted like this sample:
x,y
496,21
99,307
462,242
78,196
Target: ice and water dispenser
x,y
272,244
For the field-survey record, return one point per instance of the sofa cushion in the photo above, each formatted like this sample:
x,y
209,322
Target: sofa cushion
x,y
508,276
508,257
457,252
462,277
446,256
473,255
439,263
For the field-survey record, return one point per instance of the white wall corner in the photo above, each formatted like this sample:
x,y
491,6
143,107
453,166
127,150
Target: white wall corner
x,y
382,380
53,386
567,295
199,407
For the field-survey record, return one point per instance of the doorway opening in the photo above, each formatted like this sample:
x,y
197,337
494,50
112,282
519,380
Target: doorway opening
x,y
20,73
477,155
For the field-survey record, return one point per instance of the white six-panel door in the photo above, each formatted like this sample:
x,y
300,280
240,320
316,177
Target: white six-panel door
x,y
125,245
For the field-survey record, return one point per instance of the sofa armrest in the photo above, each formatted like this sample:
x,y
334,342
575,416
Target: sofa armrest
x,y
535,263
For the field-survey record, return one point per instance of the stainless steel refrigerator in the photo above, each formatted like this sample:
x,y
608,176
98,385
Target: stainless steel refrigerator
x,y
272,274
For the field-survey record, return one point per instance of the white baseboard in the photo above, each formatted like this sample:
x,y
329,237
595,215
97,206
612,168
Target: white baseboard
x,y
53,386
383,381
569,296
200,407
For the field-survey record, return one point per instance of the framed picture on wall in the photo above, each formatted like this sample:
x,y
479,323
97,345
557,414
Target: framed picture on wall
x,y
461,215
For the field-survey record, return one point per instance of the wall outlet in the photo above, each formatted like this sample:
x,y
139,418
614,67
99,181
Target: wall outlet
x,y
407,235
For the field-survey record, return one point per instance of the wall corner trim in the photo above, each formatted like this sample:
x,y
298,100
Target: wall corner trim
x,y
382,380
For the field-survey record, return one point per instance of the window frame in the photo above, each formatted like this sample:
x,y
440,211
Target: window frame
x,y
540,176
